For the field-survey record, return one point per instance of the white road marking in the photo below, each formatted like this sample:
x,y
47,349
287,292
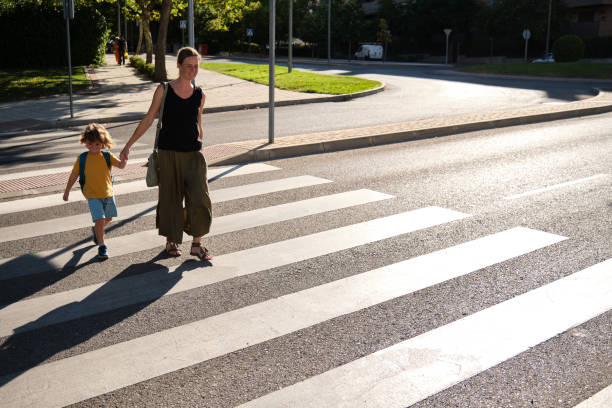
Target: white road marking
x,y
603,399
56,259
94,373
415,369
553,187
45,310
56,170
122,188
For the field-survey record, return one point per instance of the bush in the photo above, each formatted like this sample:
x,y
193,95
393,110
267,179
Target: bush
x,y
568,48
141,66
34,35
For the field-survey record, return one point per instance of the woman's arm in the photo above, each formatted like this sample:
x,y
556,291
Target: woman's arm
x,y
145,123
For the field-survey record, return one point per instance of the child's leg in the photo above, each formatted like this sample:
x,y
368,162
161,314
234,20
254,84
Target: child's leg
x,y
99,230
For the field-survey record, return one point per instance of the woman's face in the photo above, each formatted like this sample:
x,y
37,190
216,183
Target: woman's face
x,y
189,68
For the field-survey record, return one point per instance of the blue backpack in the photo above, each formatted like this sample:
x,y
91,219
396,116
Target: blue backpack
x,y
83,158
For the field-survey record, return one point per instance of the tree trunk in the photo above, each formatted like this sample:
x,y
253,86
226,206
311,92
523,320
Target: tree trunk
x,y
139,45
160,48
146,29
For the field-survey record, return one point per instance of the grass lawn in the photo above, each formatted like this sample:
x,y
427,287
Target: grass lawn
x,y
595,70
298,81
27,84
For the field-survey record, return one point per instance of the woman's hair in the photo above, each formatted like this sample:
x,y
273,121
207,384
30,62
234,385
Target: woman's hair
x,y
186,52
97,133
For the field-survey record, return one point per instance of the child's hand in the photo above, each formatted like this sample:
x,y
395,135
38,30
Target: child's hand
x,y
66,196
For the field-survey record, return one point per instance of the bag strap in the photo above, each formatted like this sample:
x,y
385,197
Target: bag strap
x,y
106,155
160,116
82,159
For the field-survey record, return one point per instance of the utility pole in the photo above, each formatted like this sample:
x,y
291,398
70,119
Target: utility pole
x,y
290,58
190,27
329,31
118,18
69,15
272,41
548,28
125,36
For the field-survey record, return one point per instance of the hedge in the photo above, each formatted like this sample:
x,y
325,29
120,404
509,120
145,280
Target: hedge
x,y
148,70
35,36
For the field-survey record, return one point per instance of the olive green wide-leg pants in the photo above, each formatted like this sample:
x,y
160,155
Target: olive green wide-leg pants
x,y
182,176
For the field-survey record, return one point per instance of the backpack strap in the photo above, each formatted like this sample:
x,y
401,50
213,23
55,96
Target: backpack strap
x,y
82,159
106,155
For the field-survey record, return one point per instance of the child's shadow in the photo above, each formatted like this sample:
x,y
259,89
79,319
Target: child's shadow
x,y
74,323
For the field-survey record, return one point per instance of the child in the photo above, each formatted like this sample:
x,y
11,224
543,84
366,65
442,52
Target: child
x,y
97,186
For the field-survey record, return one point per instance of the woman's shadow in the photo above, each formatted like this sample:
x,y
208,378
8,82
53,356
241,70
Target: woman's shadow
x,y
32,344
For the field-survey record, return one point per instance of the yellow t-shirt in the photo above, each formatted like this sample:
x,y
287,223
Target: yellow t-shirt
x,y
97,175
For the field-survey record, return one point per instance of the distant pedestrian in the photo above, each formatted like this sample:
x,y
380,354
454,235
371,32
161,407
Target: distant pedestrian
x,y
182,167
122,50
94,170
116,50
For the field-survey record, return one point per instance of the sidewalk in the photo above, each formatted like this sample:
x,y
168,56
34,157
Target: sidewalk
x,y
121,95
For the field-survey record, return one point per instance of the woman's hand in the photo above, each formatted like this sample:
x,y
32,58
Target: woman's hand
x,y
125,153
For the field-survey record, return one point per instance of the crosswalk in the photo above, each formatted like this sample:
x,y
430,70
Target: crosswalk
x,y
83,340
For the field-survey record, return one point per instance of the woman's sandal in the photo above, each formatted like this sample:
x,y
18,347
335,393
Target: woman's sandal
x,y
200,251
173,249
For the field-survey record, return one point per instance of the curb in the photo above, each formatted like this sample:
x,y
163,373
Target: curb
x,y
61,123
267,152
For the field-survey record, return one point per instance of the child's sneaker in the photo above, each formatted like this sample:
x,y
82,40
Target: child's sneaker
x,y
102,252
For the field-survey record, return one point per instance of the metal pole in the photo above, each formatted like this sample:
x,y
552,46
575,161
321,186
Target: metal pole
x,y
548,27
118,19
328,31
69,65
272,41
125,36
290,62
190,24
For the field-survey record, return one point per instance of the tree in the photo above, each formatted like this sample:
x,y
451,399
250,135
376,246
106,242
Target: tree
x,y
160,49
383,35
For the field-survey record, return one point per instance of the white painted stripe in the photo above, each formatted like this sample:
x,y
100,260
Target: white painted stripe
x,y
56,259
90,374
31,313
603,399
40,137
62,161
54,144
553,187
122,188
56,170
415,369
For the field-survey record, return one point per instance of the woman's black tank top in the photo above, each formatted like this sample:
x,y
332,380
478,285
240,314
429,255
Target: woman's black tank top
x,y
179,130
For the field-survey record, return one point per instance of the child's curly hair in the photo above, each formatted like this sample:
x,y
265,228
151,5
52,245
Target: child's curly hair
x,y
95,132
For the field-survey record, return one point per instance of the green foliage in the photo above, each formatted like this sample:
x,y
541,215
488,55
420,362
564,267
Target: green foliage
x,y
568,48
29,83
148,70
35,35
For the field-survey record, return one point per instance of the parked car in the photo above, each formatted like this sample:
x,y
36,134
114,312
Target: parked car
x,y
369,51
546,58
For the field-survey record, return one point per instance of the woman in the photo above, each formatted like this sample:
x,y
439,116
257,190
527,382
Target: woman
x,y
182,168
116,50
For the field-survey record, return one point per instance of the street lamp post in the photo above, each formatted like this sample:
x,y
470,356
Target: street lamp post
x,y
329,31
190,28
290,57
548,27
272,41
447,31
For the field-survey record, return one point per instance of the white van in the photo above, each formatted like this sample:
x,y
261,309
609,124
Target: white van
x,y
369,51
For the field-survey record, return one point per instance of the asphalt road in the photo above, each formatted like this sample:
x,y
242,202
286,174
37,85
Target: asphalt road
x,y
495,177
412,93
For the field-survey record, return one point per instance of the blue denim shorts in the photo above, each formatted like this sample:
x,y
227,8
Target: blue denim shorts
x,y
102,208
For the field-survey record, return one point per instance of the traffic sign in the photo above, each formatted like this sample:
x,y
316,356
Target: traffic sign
x,y
249,32
183,24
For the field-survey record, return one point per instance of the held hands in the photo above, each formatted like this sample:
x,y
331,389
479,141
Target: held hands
x,y
124,155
